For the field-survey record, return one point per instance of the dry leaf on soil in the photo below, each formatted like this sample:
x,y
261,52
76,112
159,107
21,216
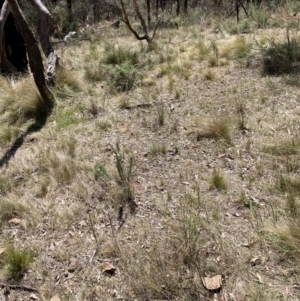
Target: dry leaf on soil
x,y
14,221
212,283
109,269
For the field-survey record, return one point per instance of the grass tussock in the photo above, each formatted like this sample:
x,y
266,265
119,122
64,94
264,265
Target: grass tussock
x,y
218,181
20,101
285,238
288,184
157,149
68,82
235,48
11,208
283,148
8,134
174,267
63,169
16,261
215,129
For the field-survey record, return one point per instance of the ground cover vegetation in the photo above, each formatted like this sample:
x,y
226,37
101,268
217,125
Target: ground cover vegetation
x,y
163,166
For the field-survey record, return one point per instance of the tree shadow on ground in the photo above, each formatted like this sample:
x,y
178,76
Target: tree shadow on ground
x,y
35,127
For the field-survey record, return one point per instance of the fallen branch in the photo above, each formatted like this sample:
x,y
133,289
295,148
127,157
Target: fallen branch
x,y
140,105
18,287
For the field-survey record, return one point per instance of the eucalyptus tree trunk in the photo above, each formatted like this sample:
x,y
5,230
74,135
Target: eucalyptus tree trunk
x,y
34,54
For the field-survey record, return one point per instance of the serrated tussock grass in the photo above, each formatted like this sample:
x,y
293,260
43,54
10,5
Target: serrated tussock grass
x,y
20,101
217,129
16,261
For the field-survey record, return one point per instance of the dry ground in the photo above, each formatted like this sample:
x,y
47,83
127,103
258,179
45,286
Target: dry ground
x,y
212,142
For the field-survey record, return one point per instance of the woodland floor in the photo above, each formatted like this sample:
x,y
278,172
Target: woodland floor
x,y
207,202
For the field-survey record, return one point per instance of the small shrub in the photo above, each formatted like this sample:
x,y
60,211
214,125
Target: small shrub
x,y
260,14
100,171
125,176
282,58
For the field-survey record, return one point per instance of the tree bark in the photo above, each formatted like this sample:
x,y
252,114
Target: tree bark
x,y
34,55
45,42
178,7
70,10
5,65
185,6
148,12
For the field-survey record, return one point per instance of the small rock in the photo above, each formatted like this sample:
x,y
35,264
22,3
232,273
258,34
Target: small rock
x,y
55,298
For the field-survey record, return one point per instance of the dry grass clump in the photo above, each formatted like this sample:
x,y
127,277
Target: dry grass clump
x,y
202,50
216,129
209,74
68,82
63,169
8,134
11,208
285,234
286,147
157,149
288,184
236,47
20,101
174,260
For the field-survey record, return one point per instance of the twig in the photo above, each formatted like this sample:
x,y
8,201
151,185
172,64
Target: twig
x,y
139,105
94,232
19,287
